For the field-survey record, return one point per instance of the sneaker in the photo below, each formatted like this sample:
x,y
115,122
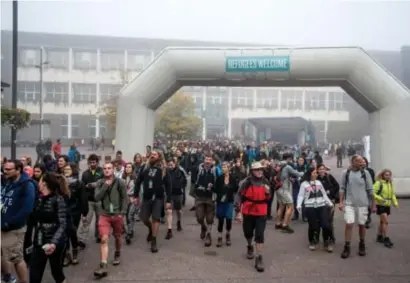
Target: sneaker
x,y
287,229
168,235
128,239
250,254
362,249
117,256
101,271
312,247
328,246
149,236
228,239
74,260
387,242
208,240
346,252
67,259
9,279
81,245
219,242
179,226
259,266
278,226
154,248
380,239
203,232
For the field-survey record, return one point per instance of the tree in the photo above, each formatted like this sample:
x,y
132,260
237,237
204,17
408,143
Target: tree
x,y
15,118
176,117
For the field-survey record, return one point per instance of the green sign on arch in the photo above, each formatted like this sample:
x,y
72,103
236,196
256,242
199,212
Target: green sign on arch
x,y
254,64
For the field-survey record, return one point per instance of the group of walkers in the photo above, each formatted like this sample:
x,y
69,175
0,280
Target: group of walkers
x,y
47,216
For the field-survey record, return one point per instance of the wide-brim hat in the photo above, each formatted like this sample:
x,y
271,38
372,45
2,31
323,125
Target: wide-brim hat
x,y
257,165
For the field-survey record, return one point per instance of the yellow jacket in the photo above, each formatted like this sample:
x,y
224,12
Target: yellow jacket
x,y
384,193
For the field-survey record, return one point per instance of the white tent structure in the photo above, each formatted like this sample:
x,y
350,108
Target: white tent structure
x,y
385,98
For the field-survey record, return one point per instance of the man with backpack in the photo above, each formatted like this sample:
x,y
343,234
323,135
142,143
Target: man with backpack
x,y
356,196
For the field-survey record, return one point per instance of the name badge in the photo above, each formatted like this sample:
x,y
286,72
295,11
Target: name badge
x,y
111,208
150,186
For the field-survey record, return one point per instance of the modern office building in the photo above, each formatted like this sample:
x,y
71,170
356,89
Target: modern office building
x,y
80,74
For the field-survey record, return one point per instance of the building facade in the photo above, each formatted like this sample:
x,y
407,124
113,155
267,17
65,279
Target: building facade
x,y
80,74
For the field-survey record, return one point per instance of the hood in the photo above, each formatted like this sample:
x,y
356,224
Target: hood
x,y
23,178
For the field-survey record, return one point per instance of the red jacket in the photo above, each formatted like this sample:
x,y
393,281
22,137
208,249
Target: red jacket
x,y
254,196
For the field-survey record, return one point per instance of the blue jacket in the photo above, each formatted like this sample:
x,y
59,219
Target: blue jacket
x,y
72,155
17,200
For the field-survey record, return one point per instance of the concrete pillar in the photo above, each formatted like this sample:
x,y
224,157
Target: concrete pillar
x,y
97,126
280,99
229,113
204,129
98,60
70,69
69,124
254,97
303,99
301,135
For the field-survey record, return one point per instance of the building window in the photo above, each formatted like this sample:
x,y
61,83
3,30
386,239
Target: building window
x,y
84,93
56,92
315,100
64,126
112,61
242,98
138,60
75,127
92,127
85,60
108,91
57,58
336,102
267,98
29,92
213,95
29,57
292,99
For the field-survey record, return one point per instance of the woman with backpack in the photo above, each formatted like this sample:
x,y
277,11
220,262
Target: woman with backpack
x,y
383,191
129,176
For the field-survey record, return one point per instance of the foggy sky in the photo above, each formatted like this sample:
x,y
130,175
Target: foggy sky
x,y
381,25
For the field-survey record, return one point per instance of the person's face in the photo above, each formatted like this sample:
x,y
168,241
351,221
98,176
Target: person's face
x,y
301,161
314,175
68,171
137,159
148,148
178,153
119,156
10,171
128,169
359,162
154,156
37,173
108,170
313,163
118,165
321,170
387,176
225,169
258,173
23,161
208,161
277,168
238,163
61,162
92,164
171,165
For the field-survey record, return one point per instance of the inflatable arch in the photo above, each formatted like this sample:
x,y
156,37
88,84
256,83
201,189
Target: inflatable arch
x,y
385,98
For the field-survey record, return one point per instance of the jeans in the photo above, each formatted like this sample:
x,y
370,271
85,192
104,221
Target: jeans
x,y
317,218
132,211
39,261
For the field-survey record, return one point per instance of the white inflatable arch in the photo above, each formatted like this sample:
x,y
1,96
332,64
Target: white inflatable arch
x,y
385,98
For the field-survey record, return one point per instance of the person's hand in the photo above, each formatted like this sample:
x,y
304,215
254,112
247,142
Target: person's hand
x,y
168,206
84,219
267,189
51,249
238,217
374,209
341,206
299,209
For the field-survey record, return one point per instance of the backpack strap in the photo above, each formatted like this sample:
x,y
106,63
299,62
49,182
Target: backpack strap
x,y
380,189
346,181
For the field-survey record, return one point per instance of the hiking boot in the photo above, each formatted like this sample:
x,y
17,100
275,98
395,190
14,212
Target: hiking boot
x,y
362,249
74,260
278,226
380,239
208,240
67,259
387,242
101,271
346,252
287,229
149,236
168,235
312,246
203,232
250,254
81,245
128,239
179,226
154,248
117,256
228,239
219,242
259,266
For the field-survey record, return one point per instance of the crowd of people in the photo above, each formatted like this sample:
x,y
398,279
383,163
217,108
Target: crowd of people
x,y
47,209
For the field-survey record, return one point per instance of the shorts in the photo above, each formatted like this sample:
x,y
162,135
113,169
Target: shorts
x,y
254,227
356,214
284,196
151,209
176,202
205,210
12,243
224,210
382,210
105,223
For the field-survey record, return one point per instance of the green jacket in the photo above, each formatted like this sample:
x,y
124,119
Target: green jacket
x,y
113,199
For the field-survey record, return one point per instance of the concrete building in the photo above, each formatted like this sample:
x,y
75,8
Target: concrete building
x,y
82,73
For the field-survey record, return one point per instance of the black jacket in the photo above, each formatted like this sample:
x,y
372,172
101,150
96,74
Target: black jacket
x,y
185,162
178,181
204,178
88,177
331,186
227,190
50,217
77,202
238,174
154,183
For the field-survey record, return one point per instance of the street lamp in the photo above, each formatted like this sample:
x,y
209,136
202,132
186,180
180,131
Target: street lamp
x,y
40,67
